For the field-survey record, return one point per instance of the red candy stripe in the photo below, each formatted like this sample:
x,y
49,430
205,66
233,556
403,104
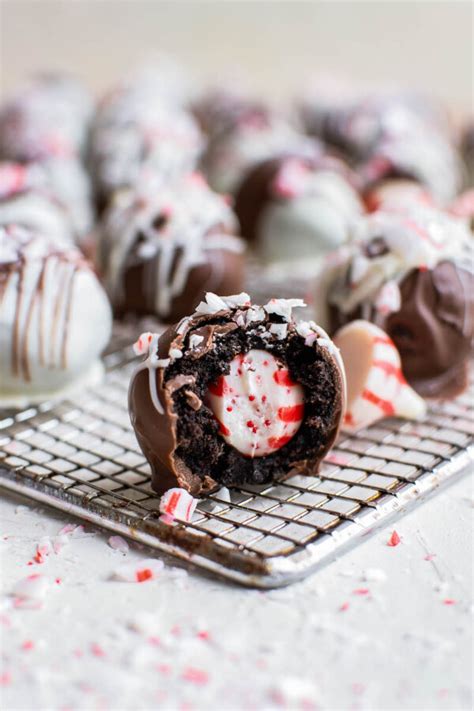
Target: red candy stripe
x,y
291,414
219,387
282,377
277,442
386,406
389,369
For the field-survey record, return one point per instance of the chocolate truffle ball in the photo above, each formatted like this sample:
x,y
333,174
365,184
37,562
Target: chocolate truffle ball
x,y
160,250
49,117
411,274
136,134
219,110
50,337
390,135
250,137
236,394
292,208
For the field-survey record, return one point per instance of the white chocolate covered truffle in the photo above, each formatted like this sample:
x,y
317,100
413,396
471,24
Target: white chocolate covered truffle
x,y
55,319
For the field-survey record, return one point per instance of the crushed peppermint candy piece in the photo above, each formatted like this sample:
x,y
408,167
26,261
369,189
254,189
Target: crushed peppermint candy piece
x,y
175,353
33,587
177,504
119,544
142,345
283,307
255,313
196,676
236,300
258,406
139,571
280,330
211,305
43,549
195,340
394,539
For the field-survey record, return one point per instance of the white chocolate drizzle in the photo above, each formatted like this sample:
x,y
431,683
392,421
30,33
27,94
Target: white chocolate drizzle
x,y
177,228
415,237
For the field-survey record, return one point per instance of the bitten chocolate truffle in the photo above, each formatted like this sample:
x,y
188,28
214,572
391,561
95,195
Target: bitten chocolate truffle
x,y
160,249
410,274
236,394
55,319
294,208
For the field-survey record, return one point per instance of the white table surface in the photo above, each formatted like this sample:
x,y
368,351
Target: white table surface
x,y
187,641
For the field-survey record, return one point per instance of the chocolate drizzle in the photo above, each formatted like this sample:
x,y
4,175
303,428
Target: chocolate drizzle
x,y
39,278
160,251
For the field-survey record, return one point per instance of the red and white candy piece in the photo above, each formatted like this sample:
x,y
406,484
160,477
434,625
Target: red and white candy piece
x,y
139,571
142,345
388,299
291,179
376,387
33,588
177,504
398,195
258,406
13,179
463,205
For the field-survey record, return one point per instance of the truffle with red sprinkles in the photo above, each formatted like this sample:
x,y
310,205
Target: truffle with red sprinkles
x,y
236,394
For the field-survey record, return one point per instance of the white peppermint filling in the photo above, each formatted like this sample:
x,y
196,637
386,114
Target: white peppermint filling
x,y
258,406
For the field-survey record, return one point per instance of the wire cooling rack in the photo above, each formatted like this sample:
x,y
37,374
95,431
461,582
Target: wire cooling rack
x,y
81,456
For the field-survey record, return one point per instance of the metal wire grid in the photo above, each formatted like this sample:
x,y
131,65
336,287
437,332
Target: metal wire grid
x,y
82,456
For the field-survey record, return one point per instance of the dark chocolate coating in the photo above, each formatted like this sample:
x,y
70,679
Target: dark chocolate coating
x,y
433,330
222,272
183,445
467,150
254,194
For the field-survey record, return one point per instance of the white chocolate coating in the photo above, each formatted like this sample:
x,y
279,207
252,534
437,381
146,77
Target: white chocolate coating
x,y
52,197
55,319
314,212
39,214
69,183
258,407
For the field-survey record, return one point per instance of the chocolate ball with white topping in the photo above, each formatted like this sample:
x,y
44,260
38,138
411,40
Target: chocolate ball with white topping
x,y
137,134
298,208
411,274
236,394
160,249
